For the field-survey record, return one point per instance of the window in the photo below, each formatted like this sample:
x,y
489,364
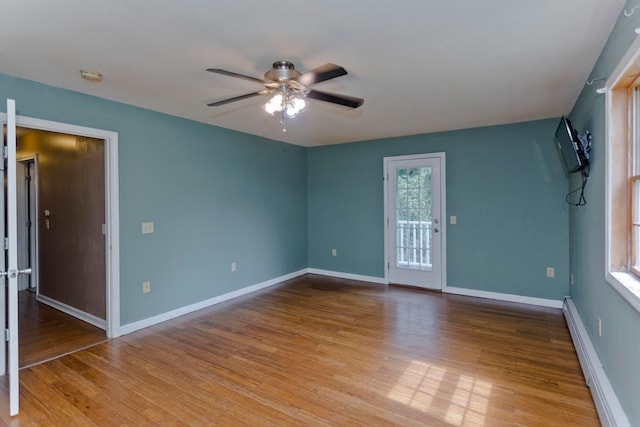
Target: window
x,y
623,177
634,182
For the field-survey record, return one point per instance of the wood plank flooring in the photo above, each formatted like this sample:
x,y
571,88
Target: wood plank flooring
x,y
45,333
316,351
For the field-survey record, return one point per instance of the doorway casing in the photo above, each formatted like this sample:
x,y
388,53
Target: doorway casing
x,y
112,218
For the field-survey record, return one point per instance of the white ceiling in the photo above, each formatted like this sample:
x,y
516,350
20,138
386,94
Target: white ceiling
x,y
421,66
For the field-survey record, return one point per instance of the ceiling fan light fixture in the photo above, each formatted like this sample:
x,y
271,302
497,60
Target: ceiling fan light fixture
x,y
291,89
290,105
295,106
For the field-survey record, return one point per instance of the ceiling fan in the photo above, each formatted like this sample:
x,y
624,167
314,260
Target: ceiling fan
x,y
291,87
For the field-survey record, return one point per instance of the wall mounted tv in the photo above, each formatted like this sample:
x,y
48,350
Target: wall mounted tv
x,y
573,147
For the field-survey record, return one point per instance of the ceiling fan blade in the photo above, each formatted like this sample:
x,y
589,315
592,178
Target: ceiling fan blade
x,y
320,74
238,98
232,74
347,101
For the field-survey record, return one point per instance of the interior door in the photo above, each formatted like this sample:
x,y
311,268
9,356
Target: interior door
x,y
414,207
9,270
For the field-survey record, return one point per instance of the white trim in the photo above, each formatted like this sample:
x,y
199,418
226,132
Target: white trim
x,y
626,284
631,56
385,219
72,311
543,302
112,207
443,219
448,289
607,404
340,275
150,321
443,210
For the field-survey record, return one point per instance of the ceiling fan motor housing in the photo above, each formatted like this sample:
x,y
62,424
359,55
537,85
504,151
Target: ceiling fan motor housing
x,y
282,71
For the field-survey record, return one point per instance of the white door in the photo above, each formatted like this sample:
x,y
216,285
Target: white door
x,y
9,308
414,208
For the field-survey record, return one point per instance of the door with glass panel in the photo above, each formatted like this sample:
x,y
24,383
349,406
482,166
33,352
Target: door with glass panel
x,y
415,231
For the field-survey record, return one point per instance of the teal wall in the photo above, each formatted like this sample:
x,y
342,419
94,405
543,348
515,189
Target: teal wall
x,y
215,196
218,196
506,185
619,346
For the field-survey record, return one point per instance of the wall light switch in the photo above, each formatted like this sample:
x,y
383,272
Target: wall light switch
x,y
551,272
453,219
334,252
147,227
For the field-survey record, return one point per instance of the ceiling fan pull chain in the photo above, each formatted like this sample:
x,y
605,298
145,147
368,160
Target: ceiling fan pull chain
x,y
282,121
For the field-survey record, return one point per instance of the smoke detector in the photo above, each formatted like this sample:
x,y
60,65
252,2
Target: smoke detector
x,y
92,76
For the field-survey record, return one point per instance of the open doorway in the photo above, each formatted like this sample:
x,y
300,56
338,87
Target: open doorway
x,y
61,225
63,222
68,191
27,209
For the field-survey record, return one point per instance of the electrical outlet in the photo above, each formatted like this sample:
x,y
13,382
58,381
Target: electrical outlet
x,y
551,272
599,327
233,266
334,252
147,228
146,287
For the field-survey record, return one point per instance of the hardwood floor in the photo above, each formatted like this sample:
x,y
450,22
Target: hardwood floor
x,y
322,352
45,332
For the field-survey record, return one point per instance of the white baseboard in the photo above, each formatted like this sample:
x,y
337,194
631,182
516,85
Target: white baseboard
x,y
340,275
607,404
132,327
503,297
451,290
72,311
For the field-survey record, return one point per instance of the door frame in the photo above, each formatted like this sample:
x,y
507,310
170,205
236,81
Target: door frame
x,y
112,207
443,211
32,216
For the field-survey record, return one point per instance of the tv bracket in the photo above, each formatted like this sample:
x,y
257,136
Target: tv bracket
x,y
585,143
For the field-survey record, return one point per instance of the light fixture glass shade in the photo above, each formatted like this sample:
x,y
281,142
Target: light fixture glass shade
x,y
289,104
274,105
295,106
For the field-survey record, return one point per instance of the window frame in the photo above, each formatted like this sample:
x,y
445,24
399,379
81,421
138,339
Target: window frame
x,y
634,223
622,133
633,151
